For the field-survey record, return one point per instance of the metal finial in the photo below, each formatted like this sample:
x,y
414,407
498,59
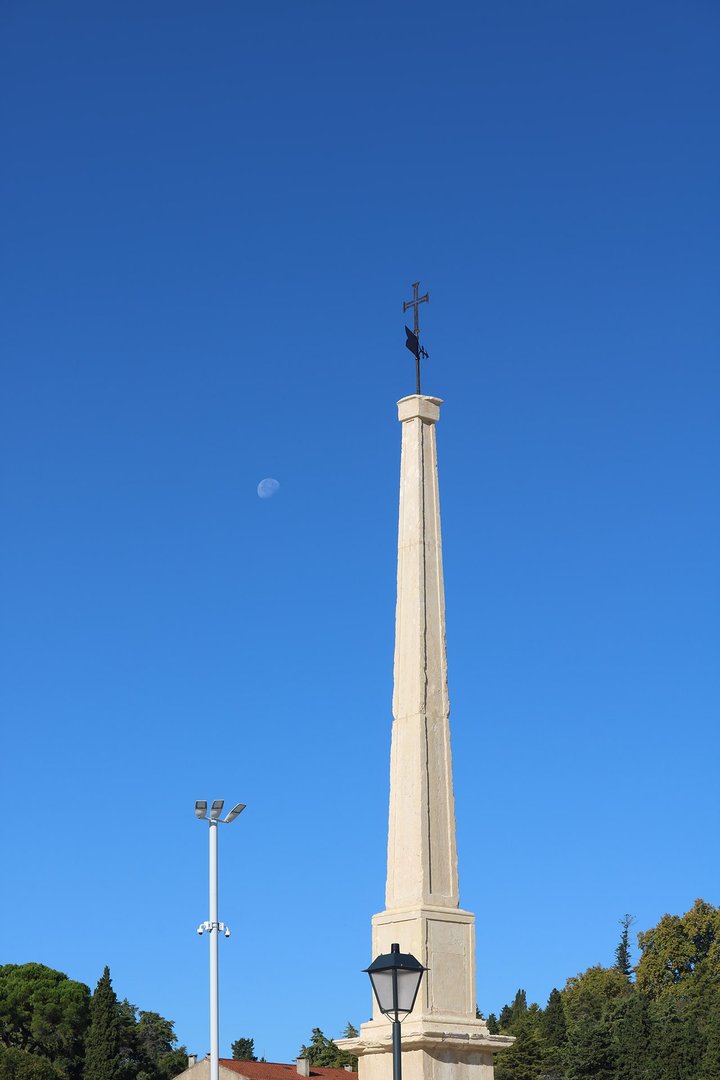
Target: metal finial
x,y
412,341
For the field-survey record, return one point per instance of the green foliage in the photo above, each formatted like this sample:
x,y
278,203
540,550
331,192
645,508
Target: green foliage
x,y
553,1024
18,1064
622,953
243,1050
589,1055
604,1026
511,1014
51,1029
587,996
631,1037
104,1059
492,1024
523,1061
44,1013
350,1032
153,1052
677,947
323,1051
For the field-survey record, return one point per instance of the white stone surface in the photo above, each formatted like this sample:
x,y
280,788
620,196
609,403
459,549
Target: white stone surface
x,y
422,857
442,1039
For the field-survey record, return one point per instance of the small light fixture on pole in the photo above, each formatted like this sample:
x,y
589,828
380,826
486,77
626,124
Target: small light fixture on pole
x,y
213,926
395,979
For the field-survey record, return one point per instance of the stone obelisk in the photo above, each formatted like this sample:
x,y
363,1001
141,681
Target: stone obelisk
x,y
441,1039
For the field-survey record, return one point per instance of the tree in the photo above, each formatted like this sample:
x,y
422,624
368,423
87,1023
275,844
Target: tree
x,y
156,1047
553,1024
587,996
631,1038
622,953
511,1014
16,1064
51,1029
104,1059
588,999
45,1013
243,1050
553,1032
323,1051
522,1061
674,1052
148,1044
678,946
350,1032
589,1055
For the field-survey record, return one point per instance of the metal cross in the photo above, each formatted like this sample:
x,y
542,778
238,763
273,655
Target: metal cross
x,y
415,304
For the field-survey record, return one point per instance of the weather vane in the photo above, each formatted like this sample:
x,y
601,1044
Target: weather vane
x,y
412,338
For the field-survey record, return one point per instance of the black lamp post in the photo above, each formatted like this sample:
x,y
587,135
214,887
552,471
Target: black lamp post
x,y
395,979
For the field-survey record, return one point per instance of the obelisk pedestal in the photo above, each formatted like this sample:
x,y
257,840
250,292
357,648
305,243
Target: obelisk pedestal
x,y
442,1039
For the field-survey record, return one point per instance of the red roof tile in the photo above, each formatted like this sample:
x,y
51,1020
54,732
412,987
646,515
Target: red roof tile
x,y
269,1070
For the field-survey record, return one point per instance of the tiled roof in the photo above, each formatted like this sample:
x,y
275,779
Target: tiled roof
x,y
270,1070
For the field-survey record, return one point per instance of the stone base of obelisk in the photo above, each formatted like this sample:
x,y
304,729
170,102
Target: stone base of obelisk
x,y
429,1051
441,1039
443,940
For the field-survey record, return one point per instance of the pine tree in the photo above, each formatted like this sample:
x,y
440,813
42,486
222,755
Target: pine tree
x,y
523,1060
492,1024
103,1056
622,953
323,1051
243,1050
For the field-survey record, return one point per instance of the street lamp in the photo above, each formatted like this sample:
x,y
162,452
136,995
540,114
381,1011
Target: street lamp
x,y
395,979
212,925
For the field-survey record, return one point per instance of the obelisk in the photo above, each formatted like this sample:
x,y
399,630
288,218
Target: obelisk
x,y
441,1039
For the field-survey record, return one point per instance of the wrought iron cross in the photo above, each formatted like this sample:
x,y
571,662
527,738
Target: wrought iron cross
x,y
415,347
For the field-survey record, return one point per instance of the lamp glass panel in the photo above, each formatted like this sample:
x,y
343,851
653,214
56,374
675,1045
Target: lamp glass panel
x,y
408,982
383,986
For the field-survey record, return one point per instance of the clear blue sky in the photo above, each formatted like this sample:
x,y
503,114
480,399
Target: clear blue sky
x,y
211,216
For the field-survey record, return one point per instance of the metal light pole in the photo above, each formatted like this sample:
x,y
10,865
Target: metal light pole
x,y
213,926
396,979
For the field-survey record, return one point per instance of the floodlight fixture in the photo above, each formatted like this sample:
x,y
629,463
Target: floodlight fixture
x,y
235,812
200,809
216,809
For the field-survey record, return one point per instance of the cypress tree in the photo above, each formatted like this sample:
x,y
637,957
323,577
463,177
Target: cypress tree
x,y
553,1024
519,1007
103,1056
553,1031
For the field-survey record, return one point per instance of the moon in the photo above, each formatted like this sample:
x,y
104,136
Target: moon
x,y
267,488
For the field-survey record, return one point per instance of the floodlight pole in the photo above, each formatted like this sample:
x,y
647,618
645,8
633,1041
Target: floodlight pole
x,y
213,925
214,934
